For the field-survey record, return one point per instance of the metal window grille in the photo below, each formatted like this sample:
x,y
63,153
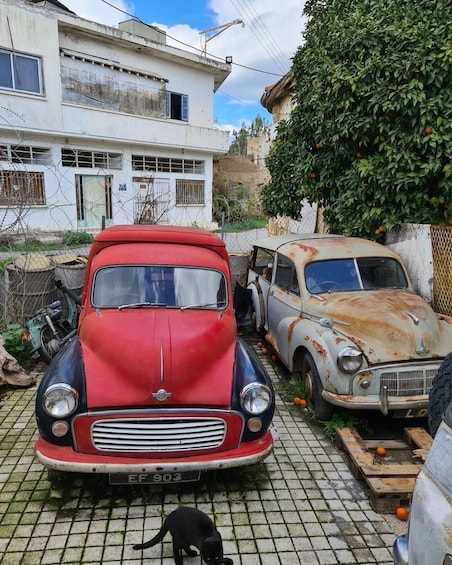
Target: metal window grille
x,y
167,164
21,188
189,192
90,159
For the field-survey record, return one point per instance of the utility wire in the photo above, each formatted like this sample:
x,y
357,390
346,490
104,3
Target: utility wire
x,y
200,51
261,32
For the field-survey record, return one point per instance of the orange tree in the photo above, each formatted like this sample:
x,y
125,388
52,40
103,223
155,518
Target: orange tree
x,y
370,136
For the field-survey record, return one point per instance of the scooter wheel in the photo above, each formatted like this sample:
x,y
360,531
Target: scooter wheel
x,y
50,344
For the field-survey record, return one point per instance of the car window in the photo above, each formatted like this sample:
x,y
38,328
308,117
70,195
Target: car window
x,y
439,458
262,262
354,274
286,275
159,285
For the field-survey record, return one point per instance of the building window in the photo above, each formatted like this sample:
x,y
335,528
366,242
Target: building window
x,y
177,106
90,159
20,72
189,192
167,165
26,155
19,188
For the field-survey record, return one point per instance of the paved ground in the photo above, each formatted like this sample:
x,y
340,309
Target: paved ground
x,y
301,506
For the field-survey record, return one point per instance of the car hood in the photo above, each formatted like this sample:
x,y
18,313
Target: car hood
x,y
130,355
387,325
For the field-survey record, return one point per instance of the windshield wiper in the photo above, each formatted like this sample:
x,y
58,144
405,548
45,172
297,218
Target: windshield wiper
x,y
211,305
143,305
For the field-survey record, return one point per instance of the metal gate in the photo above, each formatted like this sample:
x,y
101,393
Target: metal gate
x,y
152,200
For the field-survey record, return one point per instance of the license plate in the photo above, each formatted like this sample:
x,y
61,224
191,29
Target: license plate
x,y
154,478
411,413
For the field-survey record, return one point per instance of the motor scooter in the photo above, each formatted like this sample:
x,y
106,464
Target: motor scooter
x,y
55,324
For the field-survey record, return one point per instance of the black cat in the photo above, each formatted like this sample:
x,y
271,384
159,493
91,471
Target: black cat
x,y
191,527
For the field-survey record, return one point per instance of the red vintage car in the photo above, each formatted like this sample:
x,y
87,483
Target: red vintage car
x,y
156,386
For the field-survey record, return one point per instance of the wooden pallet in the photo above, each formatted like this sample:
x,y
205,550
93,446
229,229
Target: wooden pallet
x,y
390,478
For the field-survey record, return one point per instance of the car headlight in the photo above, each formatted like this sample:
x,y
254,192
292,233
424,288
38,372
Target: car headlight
x,y
349,359
255,398
60,400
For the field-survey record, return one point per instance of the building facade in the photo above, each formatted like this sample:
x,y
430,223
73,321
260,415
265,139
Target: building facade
x,y
102,125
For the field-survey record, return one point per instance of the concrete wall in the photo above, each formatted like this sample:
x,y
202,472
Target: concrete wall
x,y
413,243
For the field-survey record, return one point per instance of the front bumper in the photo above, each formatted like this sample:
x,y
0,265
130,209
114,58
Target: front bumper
x,y
383,403
65,459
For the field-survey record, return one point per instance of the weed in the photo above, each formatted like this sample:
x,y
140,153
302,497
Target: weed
x,y
18,345
72,238
344,419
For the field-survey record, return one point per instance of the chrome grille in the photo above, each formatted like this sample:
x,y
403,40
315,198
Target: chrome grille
x,y
408,382
159,435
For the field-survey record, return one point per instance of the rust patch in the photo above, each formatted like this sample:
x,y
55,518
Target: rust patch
x,y
320,349
292,328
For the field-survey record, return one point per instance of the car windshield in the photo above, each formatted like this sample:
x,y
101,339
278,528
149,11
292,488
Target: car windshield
x,y
159,286
368,273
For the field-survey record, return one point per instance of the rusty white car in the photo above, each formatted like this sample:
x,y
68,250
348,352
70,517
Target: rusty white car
x,y
342,313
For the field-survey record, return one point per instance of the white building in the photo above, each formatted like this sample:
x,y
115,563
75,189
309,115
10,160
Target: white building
x,y
102,125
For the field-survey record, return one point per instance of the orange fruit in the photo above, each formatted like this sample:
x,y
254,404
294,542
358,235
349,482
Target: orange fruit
x,y
303,403
402,513
318,145
264,351
297,401
312,175
358,155
381,451
428,131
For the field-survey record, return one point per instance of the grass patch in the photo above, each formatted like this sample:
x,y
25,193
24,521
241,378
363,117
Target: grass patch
x,y
255,222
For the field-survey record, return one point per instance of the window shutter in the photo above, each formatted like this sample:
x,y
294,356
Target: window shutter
x,y
168,104
184,109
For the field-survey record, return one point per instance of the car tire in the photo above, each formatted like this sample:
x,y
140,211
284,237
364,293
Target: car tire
x,y
440,395
321,409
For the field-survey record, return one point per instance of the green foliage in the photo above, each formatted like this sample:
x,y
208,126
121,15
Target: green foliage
x,y
345,419
234,202
3,263
18,344
72,238
240,145
370,136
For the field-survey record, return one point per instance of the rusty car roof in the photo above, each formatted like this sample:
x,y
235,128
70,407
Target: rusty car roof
x,y
324,246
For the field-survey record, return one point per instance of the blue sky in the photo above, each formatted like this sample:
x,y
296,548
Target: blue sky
x,y
261,49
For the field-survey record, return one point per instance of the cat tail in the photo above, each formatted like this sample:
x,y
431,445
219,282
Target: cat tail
x,y
156,539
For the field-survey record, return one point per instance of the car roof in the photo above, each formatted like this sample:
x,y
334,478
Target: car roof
x,y
274,242
157,233
304,248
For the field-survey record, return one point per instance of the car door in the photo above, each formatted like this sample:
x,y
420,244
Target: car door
x,y
283,304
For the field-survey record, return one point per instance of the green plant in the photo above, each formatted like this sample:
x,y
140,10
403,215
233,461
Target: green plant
x,y
72,238
17,344
344,419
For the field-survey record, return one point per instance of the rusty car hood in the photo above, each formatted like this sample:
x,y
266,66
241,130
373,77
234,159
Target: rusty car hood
x,y
387,325
131,355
